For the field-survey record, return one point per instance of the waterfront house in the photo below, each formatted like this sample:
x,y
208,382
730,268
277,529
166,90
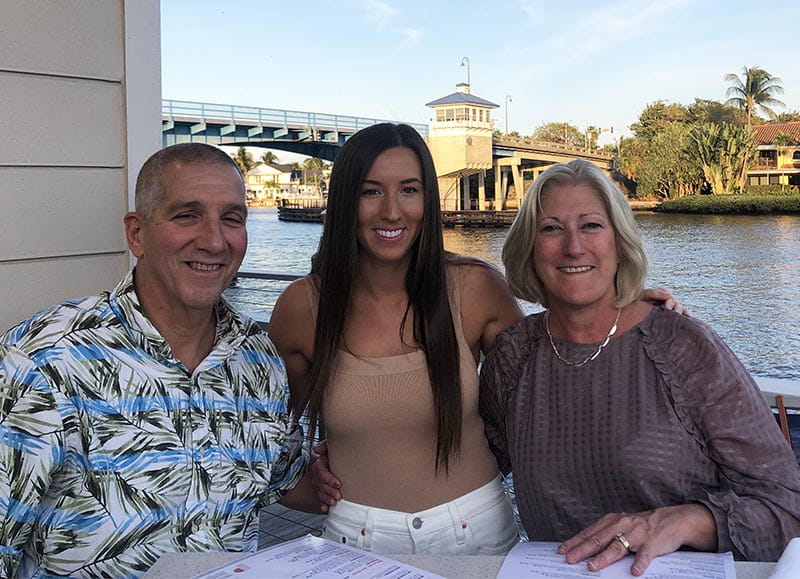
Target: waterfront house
x,y
778,161
268,181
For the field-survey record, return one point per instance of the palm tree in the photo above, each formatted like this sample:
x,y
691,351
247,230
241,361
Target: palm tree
x,y
244,159
269,157
755,90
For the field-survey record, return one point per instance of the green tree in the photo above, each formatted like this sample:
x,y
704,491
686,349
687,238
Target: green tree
x,y
788,117
784,139
754,91
666,170
656,116
314,163
630,155
559,133
269,158
724,152
313,168
710,111
244,159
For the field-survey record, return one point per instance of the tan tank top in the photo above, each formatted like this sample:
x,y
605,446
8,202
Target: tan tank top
x,y
381,427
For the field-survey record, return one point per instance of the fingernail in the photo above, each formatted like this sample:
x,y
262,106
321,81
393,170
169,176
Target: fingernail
x,y
560,550
592,566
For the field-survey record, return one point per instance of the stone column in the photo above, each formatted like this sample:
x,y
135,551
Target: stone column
x,y
482,190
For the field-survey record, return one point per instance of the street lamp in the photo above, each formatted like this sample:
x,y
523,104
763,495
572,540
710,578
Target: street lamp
x,y
508,100
465,62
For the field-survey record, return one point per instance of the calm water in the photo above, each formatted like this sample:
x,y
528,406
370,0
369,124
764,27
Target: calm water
x,y
740,274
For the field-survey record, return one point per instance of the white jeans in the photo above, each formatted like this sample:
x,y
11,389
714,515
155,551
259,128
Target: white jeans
x,y
481,521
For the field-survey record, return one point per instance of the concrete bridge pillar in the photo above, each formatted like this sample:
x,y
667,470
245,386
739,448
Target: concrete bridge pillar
x,y
498,187
482,190
503,188
518,186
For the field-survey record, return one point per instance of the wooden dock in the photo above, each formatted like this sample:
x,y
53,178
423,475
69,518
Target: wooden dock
x,y
301,214
302,210
468,218
475,218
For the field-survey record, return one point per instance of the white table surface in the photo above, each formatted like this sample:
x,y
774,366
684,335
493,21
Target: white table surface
x,y
185,565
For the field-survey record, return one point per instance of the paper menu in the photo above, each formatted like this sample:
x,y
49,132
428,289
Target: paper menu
x,y
314,557
537,560
788,566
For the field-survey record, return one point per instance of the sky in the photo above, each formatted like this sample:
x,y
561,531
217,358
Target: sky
x,y
584,62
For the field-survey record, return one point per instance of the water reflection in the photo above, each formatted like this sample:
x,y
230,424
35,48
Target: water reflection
x,y
740,274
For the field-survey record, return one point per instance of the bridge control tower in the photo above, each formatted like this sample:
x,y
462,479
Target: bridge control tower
x,y
460,140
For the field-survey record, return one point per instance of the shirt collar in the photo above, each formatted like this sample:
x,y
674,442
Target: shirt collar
x,y
232,327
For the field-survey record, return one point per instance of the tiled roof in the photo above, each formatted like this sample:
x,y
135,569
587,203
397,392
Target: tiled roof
x,y
459,98
765,134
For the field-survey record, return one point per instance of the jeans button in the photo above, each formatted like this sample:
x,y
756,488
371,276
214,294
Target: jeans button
x,y
416,523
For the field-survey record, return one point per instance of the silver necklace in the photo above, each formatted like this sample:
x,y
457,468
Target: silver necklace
x,y
591,356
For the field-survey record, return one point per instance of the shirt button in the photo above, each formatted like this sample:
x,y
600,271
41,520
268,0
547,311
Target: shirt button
x,y
195,528
416,523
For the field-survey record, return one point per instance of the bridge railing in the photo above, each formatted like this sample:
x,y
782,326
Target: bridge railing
x,y
271,117
546,146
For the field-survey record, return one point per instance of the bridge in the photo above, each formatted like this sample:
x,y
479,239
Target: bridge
x,y
314,134
464,150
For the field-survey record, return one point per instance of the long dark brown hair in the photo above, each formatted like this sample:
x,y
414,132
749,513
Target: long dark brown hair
x,y
335,266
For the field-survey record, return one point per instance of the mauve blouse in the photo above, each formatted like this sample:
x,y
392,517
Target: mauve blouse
x,y
666,415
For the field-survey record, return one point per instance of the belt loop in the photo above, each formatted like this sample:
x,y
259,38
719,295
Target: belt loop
x,y
457,522
368,530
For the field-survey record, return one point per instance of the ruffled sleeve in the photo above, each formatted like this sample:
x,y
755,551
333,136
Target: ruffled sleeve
x,y
500,376
756,504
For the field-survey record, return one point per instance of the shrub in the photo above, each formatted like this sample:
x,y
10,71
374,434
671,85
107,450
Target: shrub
x,y
734,204
772,190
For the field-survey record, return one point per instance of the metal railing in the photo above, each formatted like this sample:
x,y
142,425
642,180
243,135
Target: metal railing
x,y
533,144
789,390
232,114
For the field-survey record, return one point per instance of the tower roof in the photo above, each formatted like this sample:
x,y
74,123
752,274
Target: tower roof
x,y
458,98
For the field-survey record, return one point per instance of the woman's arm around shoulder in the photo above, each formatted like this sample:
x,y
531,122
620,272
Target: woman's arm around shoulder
x,y
291,329
487,306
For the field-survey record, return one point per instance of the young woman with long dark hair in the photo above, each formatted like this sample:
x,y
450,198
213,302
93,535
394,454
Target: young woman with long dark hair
x,y
382,342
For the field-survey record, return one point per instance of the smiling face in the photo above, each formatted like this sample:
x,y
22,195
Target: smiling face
x,y
391,206
191,246
575,250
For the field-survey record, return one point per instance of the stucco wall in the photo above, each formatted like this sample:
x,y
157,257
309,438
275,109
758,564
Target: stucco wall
x,y
80,108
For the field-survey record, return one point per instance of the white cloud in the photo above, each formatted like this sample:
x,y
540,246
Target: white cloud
x,y
532,12
594,31
412,34
381,14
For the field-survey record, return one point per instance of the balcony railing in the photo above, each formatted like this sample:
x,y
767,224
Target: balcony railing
x,y
766,163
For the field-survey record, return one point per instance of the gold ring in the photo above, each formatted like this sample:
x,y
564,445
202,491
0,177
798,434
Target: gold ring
x,y
623,541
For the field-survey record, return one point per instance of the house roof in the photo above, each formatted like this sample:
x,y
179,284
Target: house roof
x,y
765,134
270,169
459,98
